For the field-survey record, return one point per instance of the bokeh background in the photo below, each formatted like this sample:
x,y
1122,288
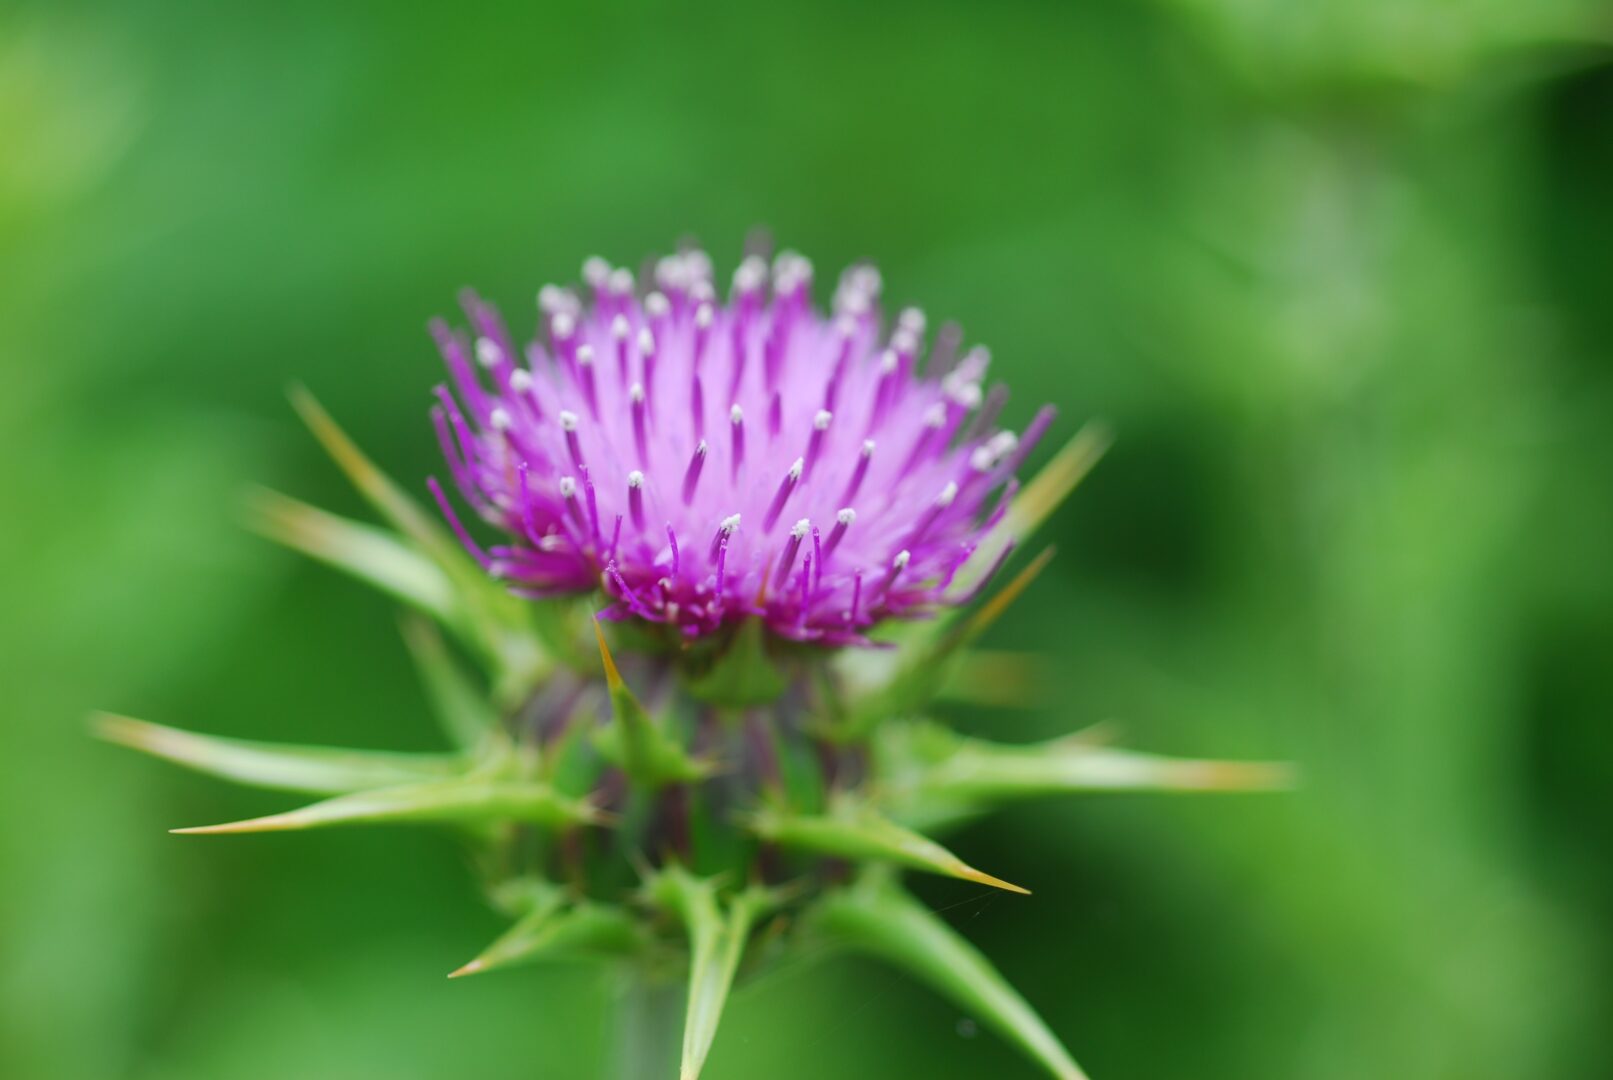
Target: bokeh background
x,y
1337,272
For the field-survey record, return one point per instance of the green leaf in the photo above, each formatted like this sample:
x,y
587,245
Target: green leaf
x,y
634,741
980,619
467,800
929,763
716,943
1036,502
389,500
852,830
375,556
467,717
553,928
886,683
877,917
923,665
313,770
505,628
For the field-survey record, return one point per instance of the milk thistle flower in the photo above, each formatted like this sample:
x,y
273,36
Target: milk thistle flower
x,y
783,518
704,463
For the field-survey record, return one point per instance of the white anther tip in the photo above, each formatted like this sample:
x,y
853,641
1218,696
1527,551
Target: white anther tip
x,y
1004,442
750,273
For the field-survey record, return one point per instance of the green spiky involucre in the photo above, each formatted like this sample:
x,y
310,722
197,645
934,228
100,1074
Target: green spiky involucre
x,y
710,769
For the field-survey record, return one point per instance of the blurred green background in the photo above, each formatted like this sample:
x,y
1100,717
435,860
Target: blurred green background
x,y
1337,272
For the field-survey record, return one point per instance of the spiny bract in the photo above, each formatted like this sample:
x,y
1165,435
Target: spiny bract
x,y
754,487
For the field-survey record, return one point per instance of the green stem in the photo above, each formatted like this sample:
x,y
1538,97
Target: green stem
x,y
648,1032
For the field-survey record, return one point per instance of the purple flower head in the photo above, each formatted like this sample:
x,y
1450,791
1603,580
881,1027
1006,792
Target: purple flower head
x,y
701,462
